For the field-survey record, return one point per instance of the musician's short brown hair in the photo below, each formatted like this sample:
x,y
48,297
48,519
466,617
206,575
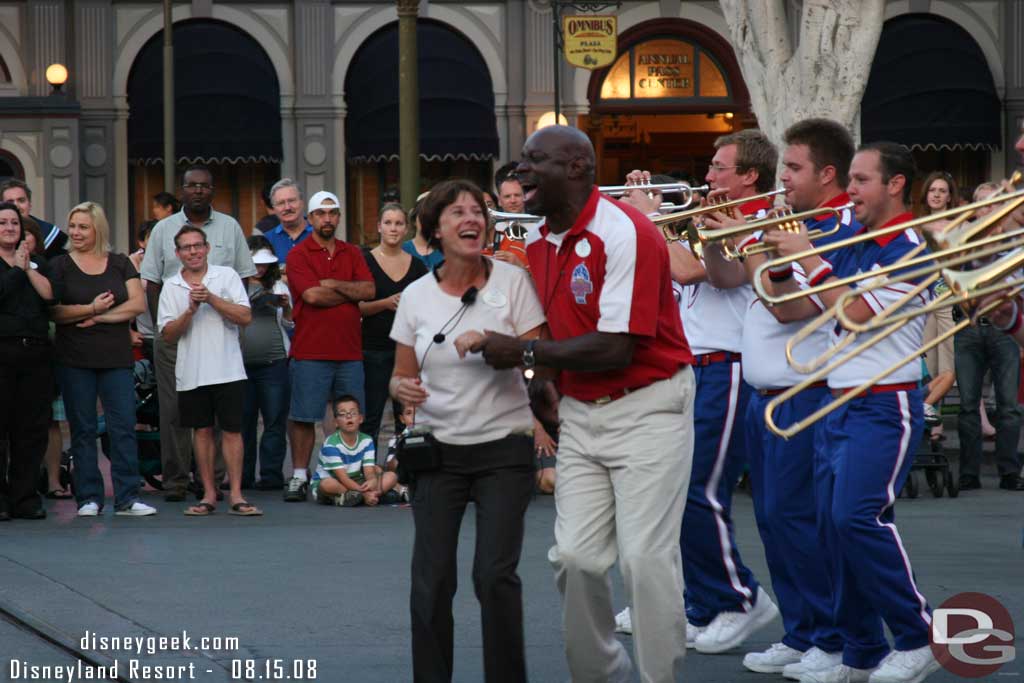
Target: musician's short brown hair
x,y
753,151
829,143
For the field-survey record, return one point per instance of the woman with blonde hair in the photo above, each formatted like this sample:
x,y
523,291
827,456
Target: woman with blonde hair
x,y
98,294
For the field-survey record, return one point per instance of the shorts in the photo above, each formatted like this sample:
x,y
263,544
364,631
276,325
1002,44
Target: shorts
x,y
317,382
214,403
314,486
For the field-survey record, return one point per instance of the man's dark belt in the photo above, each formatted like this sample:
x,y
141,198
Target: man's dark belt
x,y
616,395
26,341
879,389
704,359
775,392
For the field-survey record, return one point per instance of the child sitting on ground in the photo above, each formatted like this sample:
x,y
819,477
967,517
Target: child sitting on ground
x,y
346,471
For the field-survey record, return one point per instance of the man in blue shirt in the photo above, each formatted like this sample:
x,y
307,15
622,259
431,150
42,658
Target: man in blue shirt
x,y
286,200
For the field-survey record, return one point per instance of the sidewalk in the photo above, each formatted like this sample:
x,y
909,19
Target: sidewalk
x,y
330,585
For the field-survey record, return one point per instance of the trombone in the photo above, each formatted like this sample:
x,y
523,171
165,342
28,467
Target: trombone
x,y
961,283
960,214
789,221
1011,289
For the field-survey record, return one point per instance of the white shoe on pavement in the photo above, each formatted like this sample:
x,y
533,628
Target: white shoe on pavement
x,y
814,659
692,633
906,666
89,510
730,629
136,509
837,674
772,660
623,623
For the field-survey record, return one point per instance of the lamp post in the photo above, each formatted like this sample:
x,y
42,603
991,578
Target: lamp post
x,y
556,24
56,76
168,99
408,103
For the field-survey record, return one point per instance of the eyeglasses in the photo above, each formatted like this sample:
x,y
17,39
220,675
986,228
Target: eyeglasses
x,y
718,168
347,414
198,186
196,246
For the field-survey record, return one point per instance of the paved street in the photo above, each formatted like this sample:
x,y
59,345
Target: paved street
x,y
308,582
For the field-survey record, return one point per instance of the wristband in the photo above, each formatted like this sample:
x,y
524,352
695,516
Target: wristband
x,y
780,274
819,274
750,239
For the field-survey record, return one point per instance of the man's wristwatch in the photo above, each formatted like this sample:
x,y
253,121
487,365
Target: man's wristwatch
x,y
529,360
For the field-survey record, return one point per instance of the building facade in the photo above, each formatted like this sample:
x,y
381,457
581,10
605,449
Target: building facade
x,y
308,89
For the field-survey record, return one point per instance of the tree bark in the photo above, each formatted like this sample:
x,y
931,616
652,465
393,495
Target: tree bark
x,y
824,76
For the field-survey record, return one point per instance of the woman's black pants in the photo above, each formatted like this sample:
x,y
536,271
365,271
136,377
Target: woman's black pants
x,y
26,395
498,477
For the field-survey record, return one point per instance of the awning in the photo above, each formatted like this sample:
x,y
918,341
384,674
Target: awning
x,y
456,98
227,100
930,88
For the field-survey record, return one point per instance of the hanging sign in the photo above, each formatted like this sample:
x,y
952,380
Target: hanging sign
x,y
591,41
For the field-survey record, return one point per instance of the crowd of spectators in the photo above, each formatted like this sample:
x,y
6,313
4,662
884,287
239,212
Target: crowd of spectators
x,y
255,341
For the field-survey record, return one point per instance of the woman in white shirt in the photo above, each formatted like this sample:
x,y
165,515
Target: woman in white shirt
x,y
482,422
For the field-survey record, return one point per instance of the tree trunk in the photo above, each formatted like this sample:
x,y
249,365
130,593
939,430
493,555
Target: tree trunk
x,y
824,76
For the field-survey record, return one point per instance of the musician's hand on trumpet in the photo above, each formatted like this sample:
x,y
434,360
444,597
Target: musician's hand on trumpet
x,y
646,201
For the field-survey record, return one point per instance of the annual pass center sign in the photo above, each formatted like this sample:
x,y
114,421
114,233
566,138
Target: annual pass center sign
x,y
663,68
590,40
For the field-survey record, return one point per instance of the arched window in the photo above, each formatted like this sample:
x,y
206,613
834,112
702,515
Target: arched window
x,y
10,167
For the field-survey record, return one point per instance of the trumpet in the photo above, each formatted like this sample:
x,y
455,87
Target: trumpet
x,y
673,220
688,191
789,221
514,225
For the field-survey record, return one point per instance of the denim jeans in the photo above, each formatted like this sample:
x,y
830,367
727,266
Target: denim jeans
x,y
268,391
116,391
977,349
377,367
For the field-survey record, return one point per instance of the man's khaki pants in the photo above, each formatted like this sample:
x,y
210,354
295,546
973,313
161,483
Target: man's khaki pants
x,y
623,471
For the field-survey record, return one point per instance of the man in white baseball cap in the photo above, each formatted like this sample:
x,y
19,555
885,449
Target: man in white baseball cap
x,y
327,278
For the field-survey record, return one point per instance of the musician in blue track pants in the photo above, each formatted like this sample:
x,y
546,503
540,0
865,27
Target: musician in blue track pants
x,y
865,448
814,167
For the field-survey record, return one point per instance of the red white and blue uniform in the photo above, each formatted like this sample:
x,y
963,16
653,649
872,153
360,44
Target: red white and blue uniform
x,y
782,472
863,453
716,578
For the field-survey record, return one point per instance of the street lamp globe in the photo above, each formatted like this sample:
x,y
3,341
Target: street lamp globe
x,y
57,76
548,119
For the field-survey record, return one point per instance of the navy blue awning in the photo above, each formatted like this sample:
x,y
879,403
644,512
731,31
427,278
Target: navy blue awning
x,y
226,96
930,88
456,98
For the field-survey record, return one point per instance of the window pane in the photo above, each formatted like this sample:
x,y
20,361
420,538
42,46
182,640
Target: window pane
x,y
664,68
712,82
616,83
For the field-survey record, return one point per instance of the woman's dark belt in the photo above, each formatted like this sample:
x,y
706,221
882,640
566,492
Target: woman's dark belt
x,y
26,341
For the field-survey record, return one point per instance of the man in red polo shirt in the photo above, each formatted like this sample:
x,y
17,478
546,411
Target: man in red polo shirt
x,y
626,438
327,278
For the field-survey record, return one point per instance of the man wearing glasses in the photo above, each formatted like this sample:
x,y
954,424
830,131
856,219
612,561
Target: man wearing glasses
x,y
227,247
201,309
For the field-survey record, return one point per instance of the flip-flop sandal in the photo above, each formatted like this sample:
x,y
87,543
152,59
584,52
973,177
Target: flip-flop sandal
x,y
245,509
200,510
58,494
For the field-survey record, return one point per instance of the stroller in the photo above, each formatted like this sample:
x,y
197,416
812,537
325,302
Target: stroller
x,y
147,431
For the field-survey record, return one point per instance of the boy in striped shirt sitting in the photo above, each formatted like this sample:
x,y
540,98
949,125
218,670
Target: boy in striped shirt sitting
x,y
346,471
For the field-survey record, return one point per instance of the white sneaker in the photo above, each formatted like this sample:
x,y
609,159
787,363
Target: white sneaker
x,y
773,660
136,509
837,674
89,510
623,622
906,666
814,659
730,629
692,633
